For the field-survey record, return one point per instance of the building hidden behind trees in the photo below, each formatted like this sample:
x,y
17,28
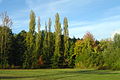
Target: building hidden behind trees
x,y
48,49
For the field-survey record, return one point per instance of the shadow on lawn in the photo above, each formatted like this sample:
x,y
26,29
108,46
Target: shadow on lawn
x,y
66,73
78,73
12,77
102,72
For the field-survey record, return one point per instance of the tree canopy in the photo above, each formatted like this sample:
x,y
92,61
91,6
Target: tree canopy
x,y
54,49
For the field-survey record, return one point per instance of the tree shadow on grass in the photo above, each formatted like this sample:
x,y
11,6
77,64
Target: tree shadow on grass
x,y
66,73
101,72
79,72
12,77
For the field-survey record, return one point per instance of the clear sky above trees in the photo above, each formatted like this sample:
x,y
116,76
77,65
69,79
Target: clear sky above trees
x,y
100,17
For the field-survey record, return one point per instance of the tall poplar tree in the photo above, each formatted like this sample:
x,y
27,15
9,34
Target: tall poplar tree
x,y
50,47
66,41
38,41
45,46
57,52
49,34
30,55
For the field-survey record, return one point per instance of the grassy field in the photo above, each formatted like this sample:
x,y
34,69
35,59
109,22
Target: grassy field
x,y
59,74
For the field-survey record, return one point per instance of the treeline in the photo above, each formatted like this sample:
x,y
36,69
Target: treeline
x,y
47,49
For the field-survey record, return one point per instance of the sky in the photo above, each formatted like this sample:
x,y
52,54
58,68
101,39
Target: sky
x,y
100,17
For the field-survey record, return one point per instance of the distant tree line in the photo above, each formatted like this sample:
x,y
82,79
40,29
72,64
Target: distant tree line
x,y
47,49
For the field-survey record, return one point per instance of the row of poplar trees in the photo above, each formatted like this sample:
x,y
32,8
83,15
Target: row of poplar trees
x,y
41,49
47,49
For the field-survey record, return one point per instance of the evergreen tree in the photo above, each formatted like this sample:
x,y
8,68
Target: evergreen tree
x,y
18,49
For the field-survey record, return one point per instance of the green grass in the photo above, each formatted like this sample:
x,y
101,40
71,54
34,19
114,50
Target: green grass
x,y
59,74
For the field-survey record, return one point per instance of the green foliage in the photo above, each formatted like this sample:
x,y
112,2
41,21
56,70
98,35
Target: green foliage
x,y
45,46
30,57
85,52
38,45
66,42
5,45
47,49
71,57
57,52
18,49
48,43
5,39
112,54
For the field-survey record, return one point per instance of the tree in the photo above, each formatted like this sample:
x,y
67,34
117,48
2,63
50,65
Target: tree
x,y
57,52
30,59
84,51
50,42
66,42
49,36
45,46
71,57
38,41
5,39
117,40
112,54
18,49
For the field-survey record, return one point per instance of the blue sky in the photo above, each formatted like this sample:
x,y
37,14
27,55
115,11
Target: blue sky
x,y
100,17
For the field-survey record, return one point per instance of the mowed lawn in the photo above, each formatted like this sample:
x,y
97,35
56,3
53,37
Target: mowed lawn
x,y
59,74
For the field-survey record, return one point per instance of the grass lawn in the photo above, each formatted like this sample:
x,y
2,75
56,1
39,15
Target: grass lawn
x,y
59,74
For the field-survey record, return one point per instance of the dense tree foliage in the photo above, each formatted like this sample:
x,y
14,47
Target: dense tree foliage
x,y
30,54
58,33
5,40
47,49
112,54
66,42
